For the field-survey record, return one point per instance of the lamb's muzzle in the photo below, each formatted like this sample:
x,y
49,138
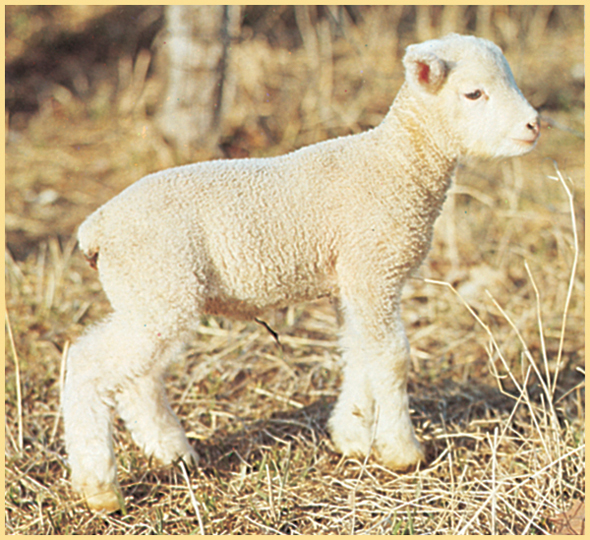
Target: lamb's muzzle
x,y
350,217
535,128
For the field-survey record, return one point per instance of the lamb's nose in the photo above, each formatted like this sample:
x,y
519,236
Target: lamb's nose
x,y
535,127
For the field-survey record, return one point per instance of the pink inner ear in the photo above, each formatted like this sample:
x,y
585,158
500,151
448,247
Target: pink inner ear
x,y
423,73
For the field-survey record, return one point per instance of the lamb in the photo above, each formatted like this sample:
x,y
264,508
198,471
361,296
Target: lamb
x,y
350,217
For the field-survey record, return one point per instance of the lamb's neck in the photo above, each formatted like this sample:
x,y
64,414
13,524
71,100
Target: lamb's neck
x,y
422,146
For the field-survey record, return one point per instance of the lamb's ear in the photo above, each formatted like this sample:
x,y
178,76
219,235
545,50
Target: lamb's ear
x,y
424,69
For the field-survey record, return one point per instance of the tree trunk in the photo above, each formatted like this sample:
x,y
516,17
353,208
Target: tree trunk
x,y
195,50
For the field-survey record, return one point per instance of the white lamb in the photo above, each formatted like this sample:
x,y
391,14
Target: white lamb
x,y
350,217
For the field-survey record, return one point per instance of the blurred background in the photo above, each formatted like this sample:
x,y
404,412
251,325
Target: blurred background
x,y
98,96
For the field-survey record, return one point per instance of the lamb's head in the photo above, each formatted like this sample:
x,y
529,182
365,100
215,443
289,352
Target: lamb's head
x,y
466,83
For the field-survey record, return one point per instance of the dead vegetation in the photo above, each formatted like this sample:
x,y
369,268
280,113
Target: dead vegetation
x,y
495,317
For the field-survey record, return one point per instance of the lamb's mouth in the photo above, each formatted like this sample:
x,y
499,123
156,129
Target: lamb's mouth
x,y
528,142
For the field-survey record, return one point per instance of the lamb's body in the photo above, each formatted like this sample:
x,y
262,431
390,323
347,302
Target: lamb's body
x,y
349,217
239,226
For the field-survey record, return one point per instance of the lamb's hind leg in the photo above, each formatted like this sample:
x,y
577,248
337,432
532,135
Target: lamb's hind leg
x,y
87,401
120,353
142,403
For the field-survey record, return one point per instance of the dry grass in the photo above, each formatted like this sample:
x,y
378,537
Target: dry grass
x,y
495,317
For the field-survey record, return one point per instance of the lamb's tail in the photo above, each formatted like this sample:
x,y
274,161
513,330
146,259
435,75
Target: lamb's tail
x,y
89,237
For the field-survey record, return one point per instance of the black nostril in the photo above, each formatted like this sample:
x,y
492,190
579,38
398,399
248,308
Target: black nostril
x,y
534,126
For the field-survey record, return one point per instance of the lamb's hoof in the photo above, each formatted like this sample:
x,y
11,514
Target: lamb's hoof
x,y
108,499
348,447
397,450
350,434
172,451
398,460
190,459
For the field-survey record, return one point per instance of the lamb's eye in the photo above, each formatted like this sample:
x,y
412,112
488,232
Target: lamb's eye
x,y
474,95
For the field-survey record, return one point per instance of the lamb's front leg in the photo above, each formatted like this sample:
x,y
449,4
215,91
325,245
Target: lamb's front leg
x,y
374,400
395,441
351,422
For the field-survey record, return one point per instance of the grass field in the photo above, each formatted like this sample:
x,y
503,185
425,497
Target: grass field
x,y
495,316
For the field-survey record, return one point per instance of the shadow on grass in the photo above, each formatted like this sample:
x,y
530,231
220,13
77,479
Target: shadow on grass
x,y
227,452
